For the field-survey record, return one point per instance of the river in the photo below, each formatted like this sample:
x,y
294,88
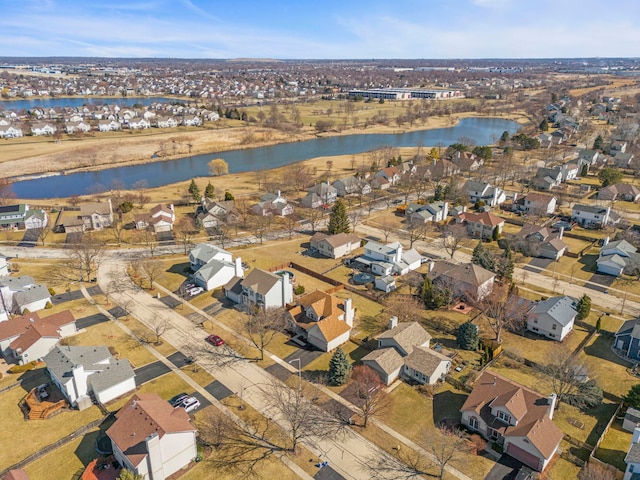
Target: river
x,y
483,130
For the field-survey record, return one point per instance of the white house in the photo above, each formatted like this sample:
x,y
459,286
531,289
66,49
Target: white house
x,y
217,273
535,203
80,372
484,192
10,131
391,258
18,294
386,362
553,317
160,218
351,185
108,125
151,438
138,124
203,253
632,459
97,215
41,128
617,257
433,212
29,337
260,288
335,246
591,216
515,417
323,320
272,204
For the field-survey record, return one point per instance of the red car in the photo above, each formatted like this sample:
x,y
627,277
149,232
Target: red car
x,y
215,340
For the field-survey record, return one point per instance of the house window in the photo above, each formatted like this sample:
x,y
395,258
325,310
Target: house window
x,y
504,416
494,434
535,320
552,335
473,423
554,327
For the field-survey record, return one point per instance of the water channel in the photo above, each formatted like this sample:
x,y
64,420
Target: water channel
x,y
483,130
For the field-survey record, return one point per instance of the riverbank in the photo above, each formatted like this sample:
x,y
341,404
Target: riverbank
x,y
25,158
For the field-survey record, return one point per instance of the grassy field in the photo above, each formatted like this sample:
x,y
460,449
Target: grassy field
x,y
608,369
614,446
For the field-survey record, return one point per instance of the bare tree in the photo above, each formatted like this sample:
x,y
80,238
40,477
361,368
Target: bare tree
x,y
370,396
118,228
290,222
43,233
446,446
185,230
152,269
159,326
451,237
86,257
406,308
596,471
415,230
313,216
501,308
218,167
386,228
149,241
406,465
262,326
565,372
240,448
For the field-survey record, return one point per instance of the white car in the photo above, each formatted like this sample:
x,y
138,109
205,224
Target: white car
x,y
196,291
190,404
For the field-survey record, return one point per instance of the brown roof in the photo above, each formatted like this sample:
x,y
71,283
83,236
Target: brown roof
x,y
327,307
101,208
468,273
340,239
31,328
143,415
485,218
407,335
539,198
16,475
388,359
425,360
530,409
259,281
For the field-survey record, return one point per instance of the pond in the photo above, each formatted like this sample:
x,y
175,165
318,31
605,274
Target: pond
x,y
483,131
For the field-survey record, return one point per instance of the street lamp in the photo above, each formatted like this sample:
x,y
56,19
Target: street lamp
x,y
299,372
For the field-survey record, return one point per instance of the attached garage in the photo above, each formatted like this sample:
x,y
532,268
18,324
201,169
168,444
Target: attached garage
x,y
524,456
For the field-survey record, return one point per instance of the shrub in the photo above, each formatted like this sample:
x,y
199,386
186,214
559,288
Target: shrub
x,y
429,391
478,443
52,292
299,290
26,311
23,368
48,306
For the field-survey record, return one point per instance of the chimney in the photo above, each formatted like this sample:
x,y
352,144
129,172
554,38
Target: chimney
x,y
155,464
278,193
349,312
515,197
393,323
431,265
561,232
605,242
552,404
239,272
79,382
287,290
636,435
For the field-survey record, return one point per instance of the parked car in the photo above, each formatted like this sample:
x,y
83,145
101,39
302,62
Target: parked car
x,y
190,404
195,291
176,400
215,340
525,473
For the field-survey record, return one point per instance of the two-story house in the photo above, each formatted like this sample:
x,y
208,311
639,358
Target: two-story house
x,y
618,257
484,192
384,260
515,417
553,317
323,320
335,246
260,288
97,215
351,186
535,203
593,216
464,280
481,225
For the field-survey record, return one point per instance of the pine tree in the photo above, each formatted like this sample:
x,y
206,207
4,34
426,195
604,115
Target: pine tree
x,y
481,256
584,307
633,396
599,324
468,337
504,138
585,170
209,191
544,125
338,221
598,143
228,196
339,368
432,297
194,190
495,235
505,266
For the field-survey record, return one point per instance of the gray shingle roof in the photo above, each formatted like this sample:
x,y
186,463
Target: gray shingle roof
x,y
407,335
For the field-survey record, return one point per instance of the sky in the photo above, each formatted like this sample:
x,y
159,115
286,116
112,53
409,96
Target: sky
x,y
321,29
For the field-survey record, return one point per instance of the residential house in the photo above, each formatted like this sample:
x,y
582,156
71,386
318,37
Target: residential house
x,y
618,146
631,420
334,246
18,294
620,191
591,156
43,128
465,279
627,339
351,186
217,273
387,259
545,139
481,225
204,253
325,192
515,417
433,212
260,288
541,242
484,192
165,122
632,459
467,162
391,174
322,320
191,121
77,127
403,350
312,200
272,204
84,372
138,123
386,283
622,159
553,317
12,216
160,219
569,170
380,183
29,337
535,203
108,126
97,215
151,438
617,258
35,218
547,178
10,131
211,213
593,216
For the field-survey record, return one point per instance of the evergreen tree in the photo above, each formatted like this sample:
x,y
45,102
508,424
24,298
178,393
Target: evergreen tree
x,y
495,235
339,368
484,152
338,221
544,125
481,256
584,307
609,176
599,324
194,190
598,143
209,191
228,196
505,266
504,138
633,396
438,194
468,337
585,170
432,296
554,97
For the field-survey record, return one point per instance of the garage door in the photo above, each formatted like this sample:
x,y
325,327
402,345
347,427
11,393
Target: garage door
x,y
524,456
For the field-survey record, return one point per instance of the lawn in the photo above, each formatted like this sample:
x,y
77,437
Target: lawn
x,y
321,364
166,386
607,368
614,446
110,335
66,461
537,349
34,434
562,469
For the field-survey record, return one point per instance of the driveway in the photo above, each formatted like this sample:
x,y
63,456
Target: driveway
x,y
306,356
540,262
30,238
505,469
66,297
149,372
179,359
328,473
601,279
218,390
90,321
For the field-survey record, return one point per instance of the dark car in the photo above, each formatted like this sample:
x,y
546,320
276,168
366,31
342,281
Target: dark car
x,y
525,473
215,340
177,400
